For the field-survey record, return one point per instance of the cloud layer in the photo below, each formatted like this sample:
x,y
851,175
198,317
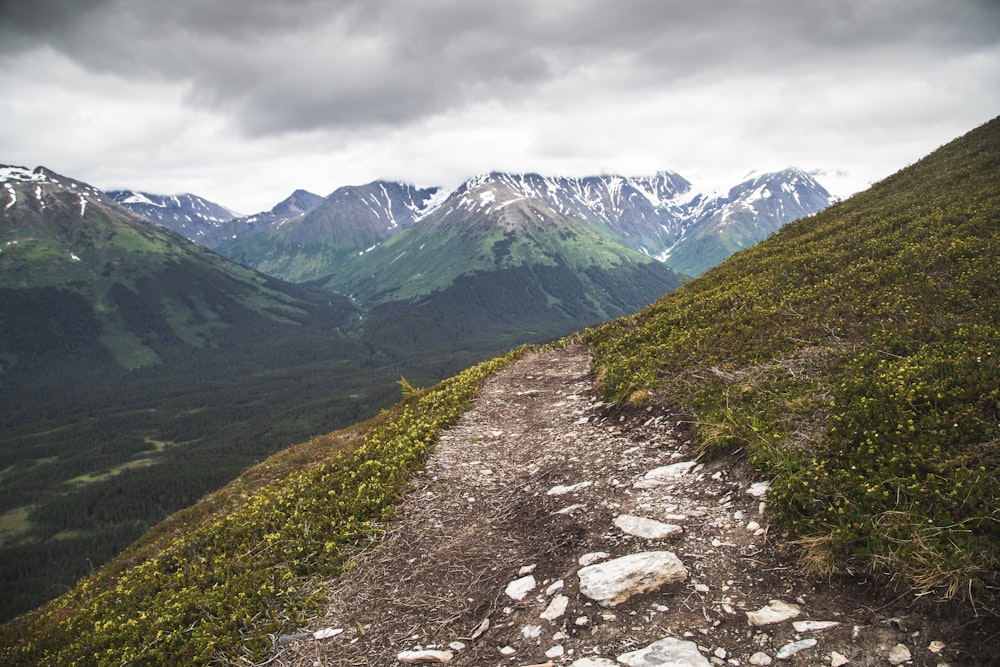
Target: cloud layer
x,y
440,89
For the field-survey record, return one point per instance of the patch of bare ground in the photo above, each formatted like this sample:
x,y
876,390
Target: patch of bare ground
x,y
532,479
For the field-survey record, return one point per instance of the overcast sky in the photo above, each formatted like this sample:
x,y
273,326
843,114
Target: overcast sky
x,y
242,101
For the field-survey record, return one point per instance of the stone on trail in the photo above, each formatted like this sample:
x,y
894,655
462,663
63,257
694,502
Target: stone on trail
x,y
814,626
760,659
424,657
668,651
612,582
556,608
519,588
776,611
593,662
326,633
788,650
664,475
593,557
899,654
563,489
838,659
648,529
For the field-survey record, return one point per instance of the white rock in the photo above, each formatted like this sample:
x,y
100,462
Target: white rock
x,y
760,659
720,653
593,662
776,611
838,659
326,633
648,529
593,557
423,657
759,489
555,587
527,569
531,631
814,626
480,629
555,652
752,526
508,650
899,654
664,475
570,509
582,621
562,490
702,588
612,582
678,469
935,646
457,646
788,650
519,588
556,608
668,651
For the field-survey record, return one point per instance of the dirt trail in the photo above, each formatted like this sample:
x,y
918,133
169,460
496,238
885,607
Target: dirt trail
x,y
533,478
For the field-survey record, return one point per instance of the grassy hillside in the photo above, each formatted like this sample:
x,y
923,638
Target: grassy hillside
x,y
854,358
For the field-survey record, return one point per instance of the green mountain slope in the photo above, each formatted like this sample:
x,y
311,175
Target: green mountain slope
x,y
852,357
487,226
855,357
139,371
491,268
330,233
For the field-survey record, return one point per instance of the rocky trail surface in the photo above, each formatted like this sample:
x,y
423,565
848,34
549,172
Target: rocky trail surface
x,y
550,530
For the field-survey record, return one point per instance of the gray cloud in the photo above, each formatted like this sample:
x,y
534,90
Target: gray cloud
x,y
243,99
308,65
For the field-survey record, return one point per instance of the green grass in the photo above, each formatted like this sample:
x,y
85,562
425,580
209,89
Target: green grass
x,y
855,359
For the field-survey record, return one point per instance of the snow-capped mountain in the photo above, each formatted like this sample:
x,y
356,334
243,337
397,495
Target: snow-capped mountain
x,y
716,227
307,237
644,211
314,244
187,214
661,215
293,206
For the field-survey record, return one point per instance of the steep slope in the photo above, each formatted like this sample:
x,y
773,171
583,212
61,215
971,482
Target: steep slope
x,y
749,213
853,356
347,222
191,216
806,355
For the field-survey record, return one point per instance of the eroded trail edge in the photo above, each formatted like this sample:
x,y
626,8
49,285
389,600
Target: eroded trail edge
x,y
492,558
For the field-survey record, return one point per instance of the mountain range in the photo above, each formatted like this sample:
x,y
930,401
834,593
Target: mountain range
x,y
307,238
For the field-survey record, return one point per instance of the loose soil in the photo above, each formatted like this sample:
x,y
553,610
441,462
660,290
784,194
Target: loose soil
x,y
482,510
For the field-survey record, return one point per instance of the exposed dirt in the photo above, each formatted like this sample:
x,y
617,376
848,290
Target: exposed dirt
x,y
483,510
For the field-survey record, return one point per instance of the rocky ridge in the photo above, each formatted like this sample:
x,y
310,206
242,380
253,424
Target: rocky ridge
x,y
551,530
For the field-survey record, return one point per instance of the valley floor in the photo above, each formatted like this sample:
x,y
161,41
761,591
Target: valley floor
x,y
537,476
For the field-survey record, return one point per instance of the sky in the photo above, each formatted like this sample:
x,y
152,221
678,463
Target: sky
x,y
243,101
